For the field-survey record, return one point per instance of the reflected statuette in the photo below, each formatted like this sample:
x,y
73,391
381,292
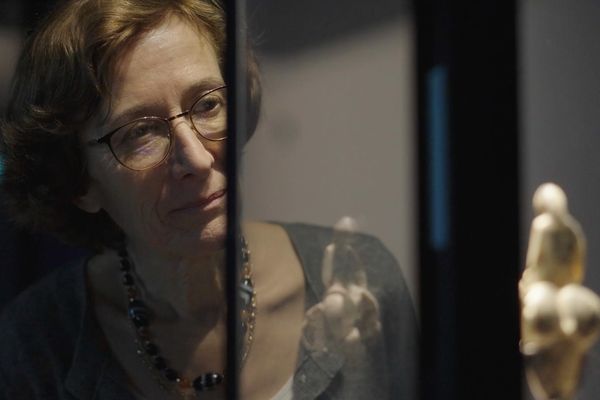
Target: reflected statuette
x,y
560,318
347,317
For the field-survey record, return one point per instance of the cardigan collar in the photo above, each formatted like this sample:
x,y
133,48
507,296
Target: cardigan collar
x,y
94,373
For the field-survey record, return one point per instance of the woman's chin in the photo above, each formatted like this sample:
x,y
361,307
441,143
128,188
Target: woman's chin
x,y
197,239
211,238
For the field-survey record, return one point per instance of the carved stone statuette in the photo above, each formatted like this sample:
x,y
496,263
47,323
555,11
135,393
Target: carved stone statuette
x,y
560,319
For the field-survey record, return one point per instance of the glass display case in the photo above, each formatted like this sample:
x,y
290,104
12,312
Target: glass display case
x,y
332,164
559,96
322,288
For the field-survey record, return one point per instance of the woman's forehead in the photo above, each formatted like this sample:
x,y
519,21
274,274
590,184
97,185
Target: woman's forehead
x,y
162,66
165,53
166,66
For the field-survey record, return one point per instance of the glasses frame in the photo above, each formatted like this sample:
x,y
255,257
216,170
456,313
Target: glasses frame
x,y
105,139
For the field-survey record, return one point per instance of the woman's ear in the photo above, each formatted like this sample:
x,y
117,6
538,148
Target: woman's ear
x,y
90,201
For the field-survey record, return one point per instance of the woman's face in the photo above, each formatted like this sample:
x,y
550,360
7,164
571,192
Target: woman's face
x,y
177,207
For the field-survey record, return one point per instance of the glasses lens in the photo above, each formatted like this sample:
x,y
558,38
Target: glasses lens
x,y
209,115
141,144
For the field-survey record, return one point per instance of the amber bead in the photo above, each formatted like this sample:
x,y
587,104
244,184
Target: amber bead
x,y
184,383
131,293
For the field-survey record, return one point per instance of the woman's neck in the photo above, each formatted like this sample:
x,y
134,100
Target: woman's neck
x,y
180,288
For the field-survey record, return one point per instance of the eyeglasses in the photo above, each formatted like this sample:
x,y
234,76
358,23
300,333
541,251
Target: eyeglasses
x,y
146,142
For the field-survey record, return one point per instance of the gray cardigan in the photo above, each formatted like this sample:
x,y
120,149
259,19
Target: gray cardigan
x,y
51,345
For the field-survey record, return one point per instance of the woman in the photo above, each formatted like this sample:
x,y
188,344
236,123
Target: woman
x,y
115,140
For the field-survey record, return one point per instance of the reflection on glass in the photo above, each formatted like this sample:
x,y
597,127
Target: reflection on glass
x,y
330,170
348,314
108,144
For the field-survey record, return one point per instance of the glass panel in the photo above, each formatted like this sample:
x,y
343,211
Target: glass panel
x,y
560,60
140,313
328,286
328,203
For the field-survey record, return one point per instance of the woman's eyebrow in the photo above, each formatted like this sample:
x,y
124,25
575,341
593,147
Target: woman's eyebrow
x,y
190,94
138,111
195,90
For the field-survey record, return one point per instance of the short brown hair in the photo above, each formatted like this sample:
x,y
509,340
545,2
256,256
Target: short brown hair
x,y
63,74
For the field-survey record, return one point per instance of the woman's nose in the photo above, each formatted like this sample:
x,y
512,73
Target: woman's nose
x,y
189,156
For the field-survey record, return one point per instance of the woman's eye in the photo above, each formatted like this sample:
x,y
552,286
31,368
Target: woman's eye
x,y
140,130
208,106
137,133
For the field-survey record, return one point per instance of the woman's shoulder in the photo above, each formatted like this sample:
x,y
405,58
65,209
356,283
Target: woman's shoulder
x,y
46,315
60,288
309,242
48,340
395,349
317,237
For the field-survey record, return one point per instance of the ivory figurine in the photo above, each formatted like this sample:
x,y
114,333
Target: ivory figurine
x,y
560,319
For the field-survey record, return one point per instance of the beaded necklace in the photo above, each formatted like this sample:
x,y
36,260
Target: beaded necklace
x,y
139,316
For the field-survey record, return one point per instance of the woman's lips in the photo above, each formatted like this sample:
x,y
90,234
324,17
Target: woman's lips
x,y
202,203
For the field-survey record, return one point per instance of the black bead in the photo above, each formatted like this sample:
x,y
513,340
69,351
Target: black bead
x,y
140,321
136,307
139,316
138,313
125,265
137,303
127,279
151,348
159,363
207,381
199,384
170,374
248,282
246,290
142,331
122,253
213,379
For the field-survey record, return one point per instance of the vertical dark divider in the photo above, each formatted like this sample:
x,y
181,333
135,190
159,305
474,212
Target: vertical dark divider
x,y
468,199
438,355
235,77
